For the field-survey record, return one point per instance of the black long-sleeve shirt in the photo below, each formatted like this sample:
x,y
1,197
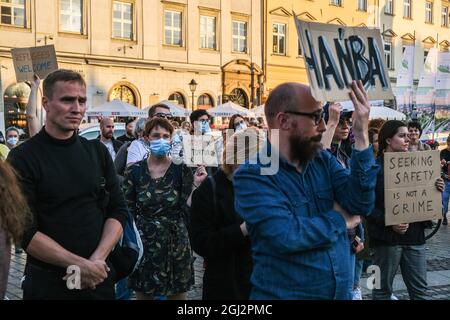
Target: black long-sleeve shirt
x,y
62,182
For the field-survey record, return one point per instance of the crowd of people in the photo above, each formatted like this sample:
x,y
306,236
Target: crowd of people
x,y
306,231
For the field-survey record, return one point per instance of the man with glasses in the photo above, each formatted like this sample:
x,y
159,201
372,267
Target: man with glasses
x,y
298,217
139,148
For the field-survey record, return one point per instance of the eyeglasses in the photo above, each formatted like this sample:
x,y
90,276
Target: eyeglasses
x,y
316,116
168,116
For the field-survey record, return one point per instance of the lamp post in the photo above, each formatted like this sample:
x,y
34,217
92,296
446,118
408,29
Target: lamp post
x,y
193,86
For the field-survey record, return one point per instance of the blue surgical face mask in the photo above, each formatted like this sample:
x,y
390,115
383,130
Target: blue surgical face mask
x,y
12,141
205,127
160,148
241,126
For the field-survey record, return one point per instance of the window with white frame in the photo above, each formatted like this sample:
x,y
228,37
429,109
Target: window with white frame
x,y
123,20
336,3
429,12
172,28
389,7
362,5
279,38
12,12
239,36
445,16
71,15
407,9
388,56
207,32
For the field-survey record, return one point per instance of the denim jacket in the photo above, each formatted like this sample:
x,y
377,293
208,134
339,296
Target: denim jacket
x,y
299,243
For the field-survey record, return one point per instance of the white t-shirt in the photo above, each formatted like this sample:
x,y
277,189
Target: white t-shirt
x,y
137,151
110,147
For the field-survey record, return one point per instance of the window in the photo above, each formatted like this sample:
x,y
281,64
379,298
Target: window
x,y
239,36
425,54
207,32
12,12
177,98
445,16
336,3
205,101
71,15
388,55
123,20
407,9
389,8
123,93
429,12
279,38
172,28
362,5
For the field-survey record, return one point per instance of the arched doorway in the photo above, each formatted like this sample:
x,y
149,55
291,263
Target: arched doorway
x,y
125,93
16,99
239,97
178,98
205,101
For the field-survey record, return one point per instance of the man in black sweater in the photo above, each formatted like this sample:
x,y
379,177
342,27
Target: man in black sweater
x,y
64,178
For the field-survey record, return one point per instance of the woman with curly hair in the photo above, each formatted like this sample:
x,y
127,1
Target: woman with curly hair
x,y
13,219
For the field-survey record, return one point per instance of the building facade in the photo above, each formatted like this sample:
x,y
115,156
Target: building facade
x,y
140,51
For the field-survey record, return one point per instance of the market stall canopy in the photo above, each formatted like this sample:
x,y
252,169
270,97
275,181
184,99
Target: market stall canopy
x,y
258,111
116,108
229,109
386,113
175,110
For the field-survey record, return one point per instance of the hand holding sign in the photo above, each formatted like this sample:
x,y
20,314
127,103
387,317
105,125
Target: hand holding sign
x,y
360,115
36,60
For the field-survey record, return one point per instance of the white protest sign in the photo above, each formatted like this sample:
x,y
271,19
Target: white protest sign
x,y
35,60
335,55
409,186
200,150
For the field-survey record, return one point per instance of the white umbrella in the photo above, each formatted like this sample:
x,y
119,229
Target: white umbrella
x,y
175,110
386,113
116,108
258,111
229,109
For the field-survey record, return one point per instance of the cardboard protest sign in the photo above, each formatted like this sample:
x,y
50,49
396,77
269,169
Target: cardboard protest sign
x,y
200,150
409,186
35,60
335,55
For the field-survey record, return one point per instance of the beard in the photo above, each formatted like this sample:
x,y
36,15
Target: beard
x,y
304,149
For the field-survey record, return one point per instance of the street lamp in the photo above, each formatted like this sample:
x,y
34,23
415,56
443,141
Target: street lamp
x,y
193,87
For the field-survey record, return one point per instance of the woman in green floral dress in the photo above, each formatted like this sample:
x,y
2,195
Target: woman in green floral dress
x,y
158,193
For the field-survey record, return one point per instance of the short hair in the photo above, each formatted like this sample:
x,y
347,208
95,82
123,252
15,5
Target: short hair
x,y
152,110
185,122
376,123
388,130
254,140
281,98
415,124
231,123
12,129
196,114
128,121
158,122
63,75
139,127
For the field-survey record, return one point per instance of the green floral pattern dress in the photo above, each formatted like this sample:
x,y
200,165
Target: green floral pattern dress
x,y
159,206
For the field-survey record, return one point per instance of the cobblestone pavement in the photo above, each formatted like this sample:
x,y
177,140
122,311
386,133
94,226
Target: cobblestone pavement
x,y
438,259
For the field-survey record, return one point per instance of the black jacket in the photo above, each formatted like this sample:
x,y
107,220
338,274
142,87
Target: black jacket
x,y
116,144
216,236
381,235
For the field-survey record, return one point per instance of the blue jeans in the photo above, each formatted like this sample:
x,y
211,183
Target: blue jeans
x,y
122,290
446,197
358,271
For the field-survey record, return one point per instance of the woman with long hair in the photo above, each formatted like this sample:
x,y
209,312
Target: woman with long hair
x,y
14,215
398,245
